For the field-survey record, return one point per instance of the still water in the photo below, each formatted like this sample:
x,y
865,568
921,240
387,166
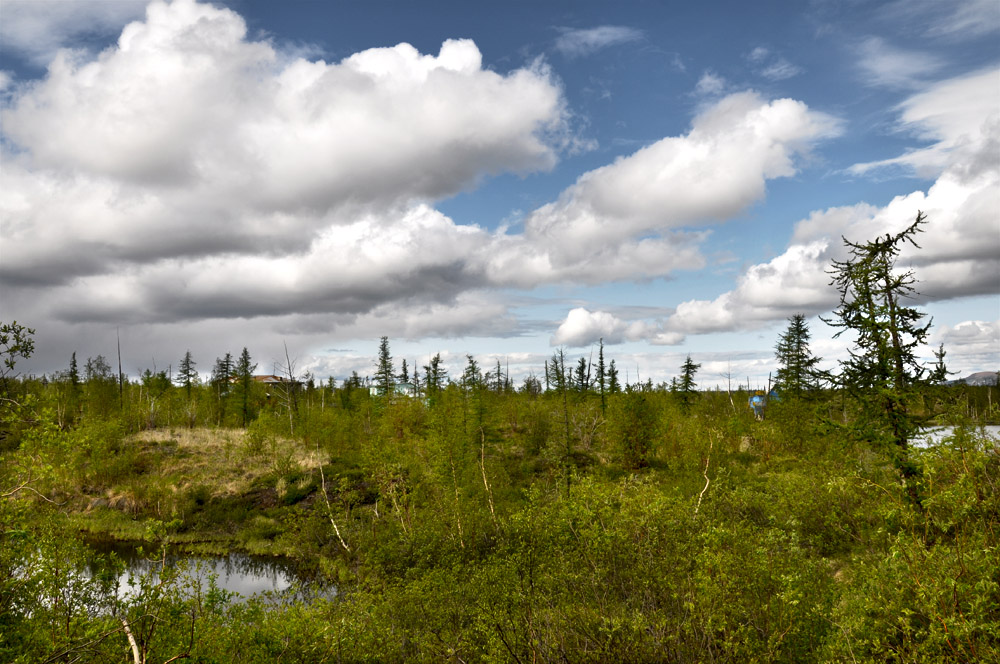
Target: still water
x,y
934,436
243,575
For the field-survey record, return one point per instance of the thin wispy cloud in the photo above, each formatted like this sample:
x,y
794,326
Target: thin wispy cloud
x,y
771,65
953,20
575,43
710,85
884,65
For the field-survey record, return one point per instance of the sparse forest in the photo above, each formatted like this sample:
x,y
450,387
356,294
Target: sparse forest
x,y
567,518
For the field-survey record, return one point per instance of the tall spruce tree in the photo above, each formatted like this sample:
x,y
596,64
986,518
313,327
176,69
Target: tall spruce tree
x,y
435,376
602,378
73,401
581,379
385,378
244,374
222,375
472,377
614,385
187,375
797,373
74,373
939,372
686,387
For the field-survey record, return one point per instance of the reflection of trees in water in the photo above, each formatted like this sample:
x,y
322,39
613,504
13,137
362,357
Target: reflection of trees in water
x,y
279,578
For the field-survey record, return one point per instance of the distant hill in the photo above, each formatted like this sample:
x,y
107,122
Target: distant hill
x,y
978,378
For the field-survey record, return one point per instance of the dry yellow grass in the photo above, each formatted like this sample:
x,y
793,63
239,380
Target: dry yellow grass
x,y
220,460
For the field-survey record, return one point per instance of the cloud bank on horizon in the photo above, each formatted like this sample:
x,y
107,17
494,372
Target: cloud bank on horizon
x,y
192,172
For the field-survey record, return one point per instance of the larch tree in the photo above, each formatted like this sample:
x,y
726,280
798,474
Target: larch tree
x,y
882,371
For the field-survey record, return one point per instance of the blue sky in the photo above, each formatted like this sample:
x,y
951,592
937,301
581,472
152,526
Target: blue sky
x,y
493,179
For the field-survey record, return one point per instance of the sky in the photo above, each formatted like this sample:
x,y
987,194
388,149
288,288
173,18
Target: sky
x,y
490,179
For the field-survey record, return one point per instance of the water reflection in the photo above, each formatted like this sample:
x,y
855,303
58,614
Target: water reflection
x,y
244,576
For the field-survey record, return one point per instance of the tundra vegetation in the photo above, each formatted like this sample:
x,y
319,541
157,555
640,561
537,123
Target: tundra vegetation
x,y
483,521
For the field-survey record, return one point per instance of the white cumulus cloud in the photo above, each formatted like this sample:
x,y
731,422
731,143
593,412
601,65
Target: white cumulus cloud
x,y
584,328
714,171
37,29
959,252
972,345
189,142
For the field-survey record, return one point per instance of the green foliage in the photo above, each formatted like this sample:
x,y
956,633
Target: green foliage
x,y
385,376
797,372
633,422
16,342
245,367
447,526
883,370
686,388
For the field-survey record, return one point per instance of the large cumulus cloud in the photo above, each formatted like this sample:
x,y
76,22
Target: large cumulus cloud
x,y
191,175
959,254
716,170
190,172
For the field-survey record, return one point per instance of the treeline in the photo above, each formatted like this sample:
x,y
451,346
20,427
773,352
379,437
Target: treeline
x,y
235,394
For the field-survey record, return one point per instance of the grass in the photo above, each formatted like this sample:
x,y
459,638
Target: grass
x,y
207,490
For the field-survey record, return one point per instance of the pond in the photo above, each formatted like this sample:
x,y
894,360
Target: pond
x,y
934,435
272,578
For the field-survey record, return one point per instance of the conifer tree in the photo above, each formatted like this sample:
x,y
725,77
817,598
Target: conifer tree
x,y
582,373
434,375
385,378
686,387
74,373
939,374
614,387
602,379
882,371
244,373
73,376
222,375
797,372
472,376
187,375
